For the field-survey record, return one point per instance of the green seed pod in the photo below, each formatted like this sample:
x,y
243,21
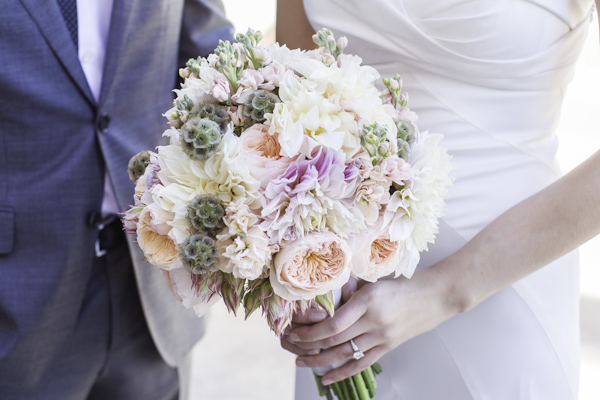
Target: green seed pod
x,y
215,113
200,137
199,254
258,104
137,165
205,214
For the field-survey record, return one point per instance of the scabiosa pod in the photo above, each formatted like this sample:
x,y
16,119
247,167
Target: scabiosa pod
x,y
258,104
198,254
215,112
137,165
200,137
205,214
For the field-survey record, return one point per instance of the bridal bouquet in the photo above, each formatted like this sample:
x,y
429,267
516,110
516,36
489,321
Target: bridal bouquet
x,y
287,173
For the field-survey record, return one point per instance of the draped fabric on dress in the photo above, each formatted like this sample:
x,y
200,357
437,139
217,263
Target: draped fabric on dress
x,y
491,77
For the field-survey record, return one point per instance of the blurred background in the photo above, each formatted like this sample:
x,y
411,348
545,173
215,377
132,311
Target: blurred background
x,y
242,360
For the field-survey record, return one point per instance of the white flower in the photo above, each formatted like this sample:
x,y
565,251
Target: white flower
x,y
245,256
308,108
180,282
244,247
414,211
228,176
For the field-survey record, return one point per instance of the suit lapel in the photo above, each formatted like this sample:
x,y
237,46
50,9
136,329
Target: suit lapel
x,y
51,24
119,22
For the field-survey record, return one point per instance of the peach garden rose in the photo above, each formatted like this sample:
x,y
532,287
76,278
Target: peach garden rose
x,y
313,265
153,239
375,255
261,152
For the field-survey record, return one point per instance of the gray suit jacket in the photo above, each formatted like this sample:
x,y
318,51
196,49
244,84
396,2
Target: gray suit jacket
x,y
55,143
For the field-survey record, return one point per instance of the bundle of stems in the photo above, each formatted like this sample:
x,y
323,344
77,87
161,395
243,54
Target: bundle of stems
x,y
357,387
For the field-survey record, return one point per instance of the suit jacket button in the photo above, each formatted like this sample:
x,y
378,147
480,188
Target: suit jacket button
x,y
103,122
93,219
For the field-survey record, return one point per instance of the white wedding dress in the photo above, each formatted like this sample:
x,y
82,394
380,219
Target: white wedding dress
x,y
490,76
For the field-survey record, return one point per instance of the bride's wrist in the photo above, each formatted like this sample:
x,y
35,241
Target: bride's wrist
x,y
457,293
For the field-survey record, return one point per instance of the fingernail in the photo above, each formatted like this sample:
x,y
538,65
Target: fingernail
x,y
300,363
317,316
313,352
326,382
294,337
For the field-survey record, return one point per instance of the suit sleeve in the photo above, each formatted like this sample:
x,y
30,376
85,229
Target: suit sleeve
x,y
203,25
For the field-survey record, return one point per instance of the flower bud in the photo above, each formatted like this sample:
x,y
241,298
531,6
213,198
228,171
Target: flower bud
x,y
371,138
184,72
386,149
342,43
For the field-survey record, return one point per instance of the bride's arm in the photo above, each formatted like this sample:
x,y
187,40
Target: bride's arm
x,y
382,315
292,26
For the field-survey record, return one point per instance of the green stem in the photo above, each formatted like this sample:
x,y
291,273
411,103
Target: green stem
x,y
372,377
345,391
336,390
370,384
361,388
320,386
351,389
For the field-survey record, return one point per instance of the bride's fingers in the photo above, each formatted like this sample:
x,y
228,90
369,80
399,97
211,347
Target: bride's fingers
x,y
297,350
311,316
337,354
346,316
354,367
348,289
355,330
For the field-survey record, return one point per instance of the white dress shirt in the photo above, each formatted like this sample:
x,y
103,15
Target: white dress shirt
x,y
93,23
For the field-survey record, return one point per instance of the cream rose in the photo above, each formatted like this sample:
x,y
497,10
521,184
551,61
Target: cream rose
x,y
153,239
375,255
261,152
311,266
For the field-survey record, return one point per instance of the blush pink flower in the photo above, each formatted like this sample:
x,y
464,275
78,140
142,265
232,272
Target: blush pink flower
x,y
221,88
311,266
261,152
374,191
312,195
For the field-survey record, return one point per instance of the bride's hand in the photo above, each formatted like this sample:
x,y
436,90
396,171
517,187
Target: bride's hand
x,y
379,317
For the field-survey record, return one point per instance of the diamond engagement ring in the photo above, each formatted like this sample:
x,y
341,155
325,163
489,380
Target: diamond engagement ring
x,y
357,353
